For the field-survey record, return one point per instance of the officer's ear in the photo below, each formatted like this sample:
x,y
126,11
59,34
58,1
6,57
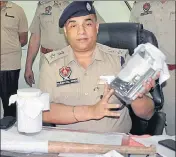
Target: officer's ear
x,y
65,31
97,27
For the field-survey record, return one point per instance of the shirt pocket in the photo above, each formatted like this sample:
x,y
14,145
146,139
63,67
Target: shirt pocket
x,y
10,22
67,92
46,19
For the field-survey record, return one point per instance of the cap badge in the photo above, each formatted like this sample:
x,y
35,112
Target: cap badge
x,y
88,7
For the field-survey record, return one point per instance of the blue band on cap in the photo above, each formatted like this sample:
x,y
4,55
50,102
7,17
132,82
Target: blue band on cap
x,y
76,9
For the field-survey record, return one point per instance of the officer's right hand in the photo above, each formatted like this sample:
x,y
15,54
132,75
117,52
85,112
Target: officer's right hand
x,y
102,108
29,77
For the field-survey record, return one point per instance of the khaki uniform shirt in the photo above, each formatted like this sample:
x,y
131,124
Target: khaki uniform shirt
x,y
106,62
13,21
158,18
46,22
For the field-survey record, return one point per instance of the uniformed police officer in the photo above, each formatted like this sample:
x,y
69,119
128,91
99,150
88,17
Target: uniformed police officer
x,y
14,35
79,98
45,32
159,18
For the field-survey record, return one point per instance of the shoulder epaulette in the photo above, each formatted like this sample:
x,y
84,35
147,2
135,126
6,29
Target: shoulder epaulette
x,y
55,55
44,2
113,51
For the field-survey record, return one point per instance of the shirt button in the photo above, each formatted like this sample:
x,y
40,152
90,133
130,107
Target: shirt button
x,y
85,74
86,93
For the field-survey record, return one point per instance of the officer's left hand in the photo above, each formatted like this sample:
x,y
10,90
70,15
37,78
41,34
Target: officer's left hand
x,y
148,85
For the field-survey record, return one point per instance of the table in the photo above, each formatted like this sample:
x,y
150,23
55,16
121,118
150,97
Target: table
x,y
125,141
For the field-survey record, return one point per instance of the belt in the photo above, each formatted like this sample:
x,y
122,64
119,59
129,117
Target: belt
x,y
171,67
45,50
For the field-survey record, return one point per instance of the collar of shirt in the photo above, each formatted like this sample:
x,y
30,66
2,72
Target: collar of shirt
x,y
98,55
45,1
7,5
161,2
60,2
51,2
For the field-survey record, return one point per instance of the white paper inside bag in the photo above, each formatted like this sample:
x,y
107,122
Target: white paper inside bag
x,y
106,79
159,64
131,69
44,98
31,106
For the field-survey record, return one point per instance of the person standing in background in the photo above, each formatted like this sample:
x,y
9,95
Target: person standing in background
x,y
159,18
14,35
46,33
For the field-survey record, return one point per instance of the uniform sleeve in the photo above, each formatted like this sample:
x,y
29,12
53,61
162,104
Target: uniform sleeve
x,y
133,14
47,80
35,25
23,23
